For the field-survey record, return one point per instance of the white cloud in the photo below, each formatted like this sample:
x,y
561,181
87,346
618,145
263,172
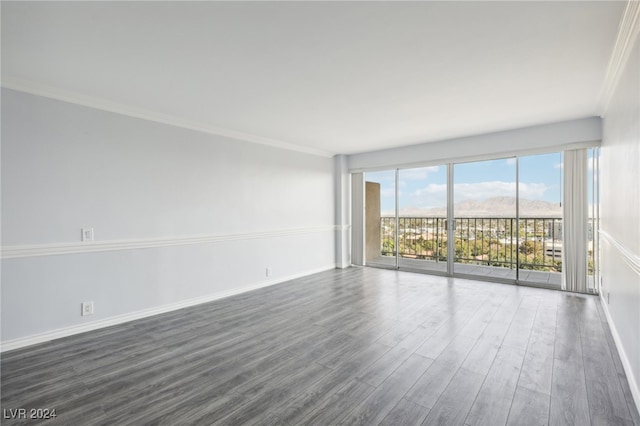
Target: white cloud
x,y
425,197
532,190
431,189
432,195
511,161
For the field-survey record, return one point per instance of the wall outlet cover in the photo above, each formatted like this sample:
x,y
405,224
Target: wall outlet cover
x,y
87,308
87,234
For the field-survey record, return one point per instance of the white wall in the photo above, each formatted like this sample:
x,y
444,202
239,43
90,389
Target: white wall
x,y
65,167
528,140
621,216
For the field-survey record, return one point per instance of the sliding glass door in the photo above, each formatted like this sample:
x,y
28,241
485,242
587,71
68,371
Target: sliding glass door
x,y
422,219
540,213
499,219
508,219
485,218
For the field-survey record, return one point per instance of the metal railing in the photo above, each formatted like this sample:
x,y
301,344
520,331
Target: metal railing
x,y
491,241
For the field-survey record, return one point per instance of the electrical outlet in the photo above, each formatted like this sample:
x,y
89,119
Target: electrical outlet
x,y
268,272
87,234
87,308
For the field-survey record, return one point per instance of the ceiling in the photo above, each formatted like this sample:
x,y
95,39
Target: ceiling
x,y
324,77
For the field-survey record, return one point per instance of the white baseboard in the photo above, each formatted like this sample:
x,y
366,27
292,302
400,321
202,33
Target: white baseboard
x,y
633,384
107,322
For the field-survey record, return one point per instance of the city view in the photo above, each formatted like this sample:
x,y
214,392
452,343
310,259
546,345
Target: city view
x,y
487,232
478,240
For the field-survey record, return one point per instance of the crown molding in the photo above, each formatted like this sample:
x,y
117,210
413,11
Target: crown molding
x,y
628,34
144,114
36,250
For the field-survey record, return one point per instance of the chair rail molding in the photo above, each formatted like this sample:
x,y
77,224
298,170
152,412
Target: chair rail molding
x,y
34,250
630,258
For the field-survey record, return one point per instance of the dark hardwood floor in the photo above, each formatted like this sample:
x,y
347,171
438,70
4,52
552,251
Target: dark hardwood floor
x,y
357,346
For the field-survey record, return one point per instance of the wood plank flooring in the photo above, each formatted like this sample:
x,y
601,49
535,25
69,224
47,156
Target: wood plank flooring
x,y
359,346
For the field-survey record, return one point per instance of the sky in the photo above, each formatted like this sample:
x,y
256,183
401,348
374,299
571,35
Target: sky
x,y
425,188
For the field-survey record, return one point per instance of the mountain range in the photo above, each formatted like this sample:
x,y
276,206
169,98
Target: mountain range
x,y
493,207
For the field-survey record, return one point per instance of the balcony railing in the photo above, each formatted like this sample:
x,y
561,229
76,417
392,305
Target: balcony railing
x,y
490,241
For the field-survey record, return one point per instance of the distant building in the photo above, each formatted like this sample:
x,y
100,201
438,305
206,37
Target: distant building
x,y
554,230
553,249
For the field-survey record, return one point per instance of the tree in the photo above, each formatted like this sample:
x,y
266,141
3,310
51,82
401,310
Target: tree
x,y
388,246
528,247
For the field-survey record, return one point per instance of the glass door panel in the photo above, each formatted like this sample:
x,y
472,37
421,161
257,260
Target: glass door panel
x,y
540,211
422,218
380,219
484,215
